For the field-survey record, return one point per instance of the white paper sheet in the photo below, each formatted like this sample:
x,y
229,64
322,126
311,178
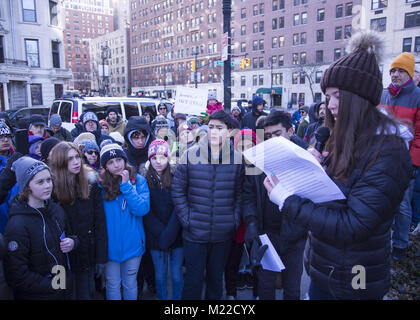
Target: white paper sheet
x,y
299,173
271,260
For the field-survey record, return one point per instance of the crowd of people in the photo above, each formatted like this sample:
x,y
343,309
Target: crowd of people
x,y
118,203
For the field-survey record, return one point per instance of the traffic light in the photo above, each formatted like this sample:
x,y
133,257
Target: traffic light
x,y
242,64
193,66
247,63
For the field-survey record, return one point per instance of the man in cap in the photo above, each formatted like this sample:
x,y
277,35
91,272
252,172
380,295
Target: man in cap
x,y
402,100
37,126
116,124
91,124
59,132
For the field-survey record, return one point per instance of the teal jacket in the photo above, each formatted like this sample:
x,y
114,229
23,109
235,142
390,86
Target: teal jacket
x,y
124,220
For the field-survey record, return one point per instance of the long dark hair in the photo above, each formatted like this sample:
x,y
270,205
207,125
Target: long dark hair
x,y
111,183
153,178
359,127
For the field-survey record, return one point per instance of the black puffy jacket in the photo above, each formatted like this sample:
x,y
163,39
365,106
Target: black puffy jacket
x,y
34,249
207,196
87,221
356,231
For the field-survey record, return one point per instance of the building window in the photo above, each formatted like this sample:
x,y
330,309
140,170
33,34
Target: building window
x,y
275,5
339,11
319,56
243,13
349,9
255,63
261,80
255,27
296,39
281,60
243,47
338,33
378,24
261,62
55,46
273,61
243,30
302,98
36,94
406,45
379,4
304,18
337,54
321,15
320,35
29,10
254,80
318,97
261,8
303,58
295,59
303,38
243,83
274,42
281,22
296,19
53,13
318,76
412,19
261,44
255,10
281,41
347,32
274,24
294,98
32,53
255,45
302,77
416,44
295,77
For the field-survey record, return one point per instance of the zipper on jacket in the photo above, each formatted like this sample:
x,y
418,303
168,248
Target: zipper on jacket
x,y
61,232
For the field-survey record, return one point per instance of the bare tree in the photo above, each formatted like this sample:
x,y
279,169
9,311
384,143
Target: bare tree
x,y
309,71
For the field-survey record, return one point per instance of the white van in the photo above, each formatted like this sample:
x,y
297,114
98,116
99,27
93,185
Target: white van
x,y
70,109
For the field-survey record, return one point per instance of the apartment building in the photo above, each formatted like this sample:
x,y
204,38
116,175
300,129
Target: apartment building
x,y
84,20
166,36
290,44
399,24
32,62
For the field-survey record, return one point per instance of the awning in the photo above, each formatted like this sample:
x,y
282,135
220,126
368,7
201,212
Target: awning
x,y
276,90
162,91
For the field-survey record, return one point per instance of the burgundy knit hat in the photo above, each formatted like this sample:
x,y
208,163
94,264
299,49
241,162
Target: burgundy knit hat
x,y
358,72
158,147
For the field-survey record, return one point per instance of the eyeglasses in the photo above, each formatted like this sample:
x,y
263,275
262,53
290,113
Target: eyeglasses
x,y
90,152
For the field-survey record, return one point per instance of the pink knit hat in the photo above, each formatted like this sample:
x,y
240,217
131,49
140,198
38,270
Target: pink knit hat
x,y
158,147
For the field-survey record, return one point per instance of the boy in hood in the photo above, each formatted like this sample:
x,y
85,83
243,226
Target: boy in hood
x,y
138,136
250,119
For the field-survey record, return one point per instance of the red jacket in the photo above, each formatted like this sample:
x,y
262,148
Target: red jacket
x,y
405,107
213,108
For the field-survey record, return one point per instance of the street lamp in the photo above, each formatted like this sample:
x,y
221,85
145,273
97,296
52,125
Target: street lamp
x,y
105,54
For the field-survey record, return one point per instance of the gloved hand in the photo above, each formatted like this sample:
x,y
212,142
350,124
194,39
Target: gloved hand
x,y
257,252
251,233
12,159
99,269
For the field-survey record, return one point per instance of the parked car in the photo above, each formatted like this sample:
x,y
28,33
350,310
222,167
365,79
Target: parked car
x,y
70,109
19,118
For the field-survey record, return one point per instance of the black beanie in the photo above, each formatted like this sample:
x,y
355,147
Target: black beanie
x,y
46,147
358,72
111,109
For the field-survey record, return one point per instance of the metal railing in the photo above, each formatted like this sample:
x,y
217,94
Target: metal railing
x,y
14,62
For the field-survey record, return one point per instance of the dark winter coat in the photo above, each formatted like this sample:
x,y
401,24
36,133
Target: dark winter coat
x,y
250,119
62,135
207,196
162,228
34,249
355,231
78,129
137,157
87,220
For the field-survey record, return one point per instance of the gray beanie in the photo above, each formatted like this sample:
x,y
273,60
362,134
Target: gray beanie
x,y
55,120
26,168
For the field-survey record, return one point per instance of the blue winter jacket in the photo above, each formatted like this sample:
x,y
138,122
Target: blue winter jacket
x,y
124,220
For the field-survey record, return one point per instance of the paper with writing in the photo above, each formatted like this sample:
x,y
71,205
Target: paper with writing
x,y
299,173
270,260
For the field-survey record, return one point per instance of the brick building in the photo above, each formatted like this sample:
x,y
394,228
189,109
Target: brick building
x,y
165,35
84,20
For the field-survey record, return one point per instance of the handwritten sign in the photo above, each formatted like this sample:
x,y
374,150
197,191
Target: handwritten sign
x,y
190,101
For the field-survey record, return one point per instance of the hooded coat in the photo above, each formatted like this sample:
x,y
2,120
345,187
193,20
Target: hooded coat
x,y
98,134
250,119
137,157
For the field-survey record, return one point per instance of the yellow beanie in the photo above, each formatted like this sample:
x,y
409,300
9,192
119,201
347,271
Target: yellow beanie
x,y
404,61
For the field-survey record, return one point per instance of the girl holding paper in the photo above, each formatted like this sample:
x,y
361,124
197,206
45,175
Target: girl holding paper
x,y
348,256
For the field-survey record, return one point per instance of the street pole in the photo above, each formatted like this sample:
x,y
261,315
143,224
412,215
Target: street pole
x,y
103,72
195,71
227,82
271,89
